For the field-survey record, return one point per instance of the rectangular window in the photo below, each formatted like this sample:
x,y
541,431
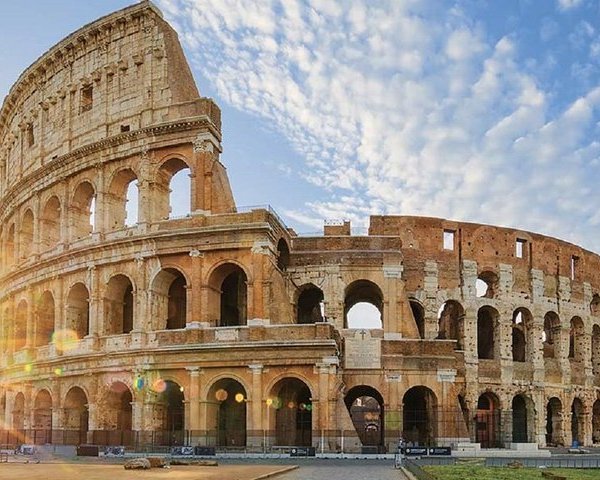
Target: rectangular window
x,y
574,261
520,248
87,98
448,239
30,136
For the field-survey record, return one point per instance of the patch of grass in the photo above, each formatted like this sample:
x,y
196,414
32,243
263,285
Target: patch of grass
x,y
475,472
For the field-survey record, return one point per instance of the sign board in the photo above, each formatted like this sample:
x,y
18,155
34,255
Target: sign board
x,y
415,451
114,451
302,452
183,450
435,451
361,350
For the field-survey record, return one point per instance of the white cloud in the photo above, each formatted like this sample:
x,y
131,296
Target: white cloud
x,y
568,4
402,107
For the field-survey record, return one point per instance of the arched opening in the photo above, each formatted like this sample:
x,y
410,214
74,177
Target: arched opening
x,y
365,405
18,418
486,284
596,350
523,414
174,188
76,416
554,417
291,402
226,412
21,325
595,305
363,305
596,422
487,325
118,306
10,246
170,292
78,310
310,304
487,421
577,422
26,236
82,210
50,224
551,335
122,200
521,328
42,418
419,413
117,415
419,315
45,320
451,323
577,340
229,283
283,255
172,404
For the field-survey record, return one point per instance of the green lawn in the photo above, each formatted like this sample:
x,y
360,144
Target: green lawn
x,y
473,472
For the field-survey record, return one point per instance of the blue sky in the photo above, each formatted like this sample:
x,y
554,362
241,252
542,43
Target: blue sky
x,y
482,111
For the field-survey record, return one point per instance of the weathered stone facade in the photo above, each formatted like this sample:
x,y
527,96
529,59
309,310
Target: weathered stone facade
x,y
226,328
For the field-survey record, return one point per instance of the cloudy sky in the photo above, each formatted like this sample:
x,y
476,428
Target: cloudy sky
x,y
473,110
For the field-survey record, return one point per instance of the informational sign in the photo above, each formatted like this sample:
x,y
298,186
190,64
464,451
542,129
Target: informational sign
x,y
413,451
114,451
183,450
440,451
302,452
362,351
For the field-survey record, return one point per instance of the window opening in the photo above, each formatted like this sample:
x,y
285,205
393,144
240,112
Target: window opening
x,y
448,239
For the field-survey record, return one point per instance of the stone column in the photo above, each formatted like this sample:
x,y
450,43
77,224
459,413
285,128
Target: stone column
x,y
95,318
195,291
29,340
194,400
255,431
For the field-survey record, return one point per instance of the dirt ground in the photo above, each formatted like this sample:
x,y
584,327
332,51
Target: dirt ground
x,y
69,471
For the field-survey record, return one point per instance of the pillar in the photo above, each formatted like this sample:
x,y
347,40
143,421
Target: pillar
x,y
255,431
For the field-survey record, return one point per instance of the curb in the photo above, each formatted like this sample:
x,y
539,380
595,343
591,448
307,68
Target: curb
x,y
276,472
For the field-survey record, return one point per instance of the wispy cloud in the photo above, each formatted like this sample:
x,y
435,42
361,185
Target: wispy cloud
x,y
400,107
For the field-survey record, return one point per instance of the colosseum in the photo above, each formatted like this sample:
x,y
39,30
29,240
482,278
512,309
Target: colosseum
x,y
223,327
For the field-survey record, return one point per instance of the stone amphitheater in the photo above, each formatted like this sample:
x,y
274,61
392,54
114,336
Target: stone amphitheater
x,y
223,327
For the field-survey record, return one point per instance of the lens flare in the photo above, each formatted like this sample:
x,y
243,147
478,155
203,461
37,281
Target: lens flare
x,y
58,371
221,394
239,397
65,340
139,383
28,367
159,385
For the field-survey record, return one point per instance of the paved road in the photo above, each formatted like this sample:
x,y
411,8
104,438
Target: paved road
x,y
322,469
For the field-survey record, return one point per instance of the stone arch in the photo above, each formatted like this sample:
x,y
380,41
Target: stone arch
x,y
118,199
309,304
486,285
283,255
76,416
488,421
595,305
487,332
20,328
42,418
363,305
169,168
523,415
118,305
366,408
26,234
596,350
596,422
554,423
116,422
9,248
18,415
171,412
227,412
78,310
551,335
45,319
82,210
451,323
419,416
577,339
290,411
522,327
50,224
578,421
169,288
228,294
418,312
